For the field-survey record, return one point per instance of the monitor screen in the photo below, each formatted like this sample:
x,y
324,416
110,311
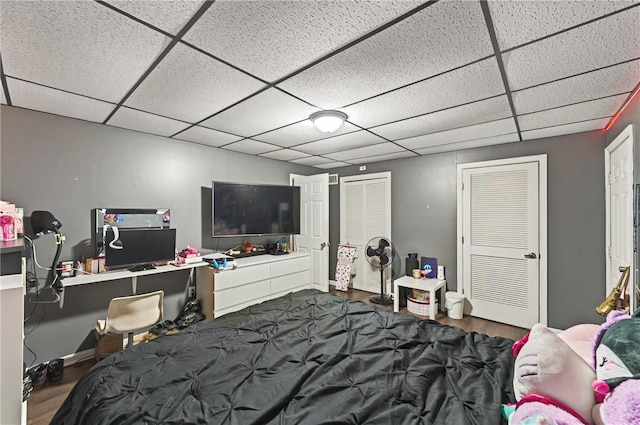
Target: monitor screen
x,y
253,209
139,246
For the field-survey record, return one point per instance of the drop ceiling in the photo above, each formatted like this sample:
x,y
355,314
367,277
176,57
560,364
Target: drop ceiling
x,y
414,77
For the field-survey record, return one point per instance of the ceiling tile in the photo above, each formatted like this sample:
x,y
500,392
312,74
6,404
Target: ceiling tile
x,y
518,22
340,143
148,123
285,154
313,161
39,98
489,129
560,130
301,132
468,84
387,157
594,109
582,49
375,150
190,86
271,39
453,32
207,136
78,46
605,82
332,165
170,16
266,111
470,144
252,147
473,113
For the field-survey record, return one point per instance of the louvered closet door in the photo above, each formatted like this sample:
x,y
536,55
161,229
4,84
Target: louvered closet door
x,y
365,214
501,232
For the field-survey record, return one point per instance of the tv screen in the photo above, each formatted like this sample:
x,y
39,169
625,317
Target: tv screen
x,y
139,246
254,209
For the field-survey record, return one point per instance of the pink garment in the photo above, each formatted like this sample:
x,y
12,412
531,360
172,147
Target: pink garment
x,y
346,255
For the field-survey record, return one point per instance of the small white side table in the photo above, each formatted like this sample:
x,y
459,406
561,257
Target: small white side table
x,y
431,285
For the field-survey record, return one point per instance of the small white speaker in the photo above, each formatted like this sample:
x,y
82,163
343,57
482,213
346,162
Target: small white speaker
x,y
441,272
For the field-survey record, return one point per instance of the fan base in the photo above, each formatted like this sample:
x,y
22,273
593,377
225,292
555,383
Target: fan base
x,y
380,299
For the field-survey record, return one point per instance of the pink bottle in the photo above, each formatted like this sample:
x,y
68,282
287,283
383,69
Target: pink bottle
x,y
8,228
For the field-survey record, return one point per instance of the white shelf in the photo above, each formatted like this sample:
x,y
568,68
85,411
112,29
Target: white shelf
x,y
123,274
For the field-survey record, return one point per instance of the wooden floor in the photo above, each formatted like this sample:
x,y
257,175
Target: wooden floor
x,y
467,323
45,401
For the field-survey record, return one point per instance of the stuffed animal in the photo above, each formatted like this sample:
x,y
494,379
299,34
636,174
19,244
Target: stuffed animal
x,y
617,364
552,382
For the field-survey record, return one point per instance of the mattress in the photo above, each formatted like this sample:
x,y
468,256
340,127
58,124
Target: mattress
x,y
305,358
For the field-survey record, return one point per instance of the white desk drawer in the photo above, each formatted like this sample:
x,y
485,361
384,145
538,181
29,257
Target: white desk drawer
x,y
280,268
240,294
240,306
296,289
241,276
289,281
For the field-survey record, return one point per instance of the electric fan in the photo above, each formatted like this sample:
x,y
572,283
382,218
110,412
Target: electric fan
x,y
379,253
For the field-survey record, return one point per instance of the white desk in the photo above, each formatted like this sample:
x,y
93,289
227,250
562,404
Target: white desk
x,y
86,279
431,285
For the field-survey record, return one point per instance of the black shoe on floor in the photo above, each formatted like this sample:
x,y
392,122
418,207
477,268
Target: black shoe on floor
x,y
38,375
55,370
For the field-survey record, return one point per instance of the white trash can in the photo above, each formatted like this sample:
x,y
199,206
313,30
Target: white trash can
x,y
454,303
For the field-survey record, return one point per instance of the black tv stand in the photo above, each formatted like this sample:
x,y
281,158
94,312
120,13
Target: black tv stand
x,y
141,267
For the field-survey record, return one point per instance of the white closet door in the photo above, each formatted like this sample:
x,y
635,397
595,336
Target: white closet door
x,y
365,213
619,209
501,246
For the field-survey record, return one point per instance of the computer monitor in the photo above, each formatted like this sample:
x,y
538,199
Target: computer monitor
x,y
139,247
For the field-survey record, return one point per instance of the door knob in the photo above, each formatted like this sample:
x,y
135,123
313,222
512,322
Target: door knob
x,y
323,245
531,255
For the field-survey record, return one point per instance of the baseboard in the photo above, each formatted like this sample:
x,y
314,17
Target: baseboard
x,y
71,359
332,282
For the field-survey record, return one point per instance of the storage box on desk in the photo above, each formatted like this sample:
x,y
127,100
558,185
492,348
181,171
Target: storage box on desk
x,y
421,308
190,259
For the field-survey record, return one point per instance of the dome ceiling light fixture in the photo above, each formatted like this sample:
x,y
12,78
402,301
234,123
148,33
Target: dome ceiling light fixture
x,y
328,121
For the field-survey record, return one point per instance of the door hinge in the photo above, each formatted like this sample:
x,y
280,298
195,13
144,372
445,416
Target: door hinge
x,y
610,251
609,178
462,186
463,240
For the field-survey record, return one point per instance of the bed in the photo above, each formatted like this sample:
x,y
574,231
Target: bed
x,y
305,358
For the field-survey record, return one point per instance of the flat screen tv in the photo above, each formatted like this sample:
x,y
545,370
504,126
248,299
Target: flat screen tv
x,y
255,209
139,247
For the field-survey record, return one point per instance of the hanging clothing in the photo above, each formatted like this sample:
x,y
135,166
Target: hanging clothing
x,y
346,255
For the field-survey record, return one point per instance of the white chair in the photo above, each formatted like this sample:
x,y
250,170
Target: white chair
x,y
125,316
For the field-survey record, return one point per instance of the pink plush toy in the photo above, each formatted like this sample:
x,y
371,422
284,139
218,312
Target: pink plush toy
x,y
552,382
617,363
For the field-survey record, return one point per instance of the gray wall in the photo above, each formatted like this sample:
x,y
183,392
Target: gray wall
x,y
70,166
631,115
423,210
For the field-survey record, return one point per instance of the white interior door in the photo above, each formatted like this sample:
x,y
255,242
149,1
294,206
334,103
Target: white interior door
x,y
365,213
619,209
501,242
314,225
